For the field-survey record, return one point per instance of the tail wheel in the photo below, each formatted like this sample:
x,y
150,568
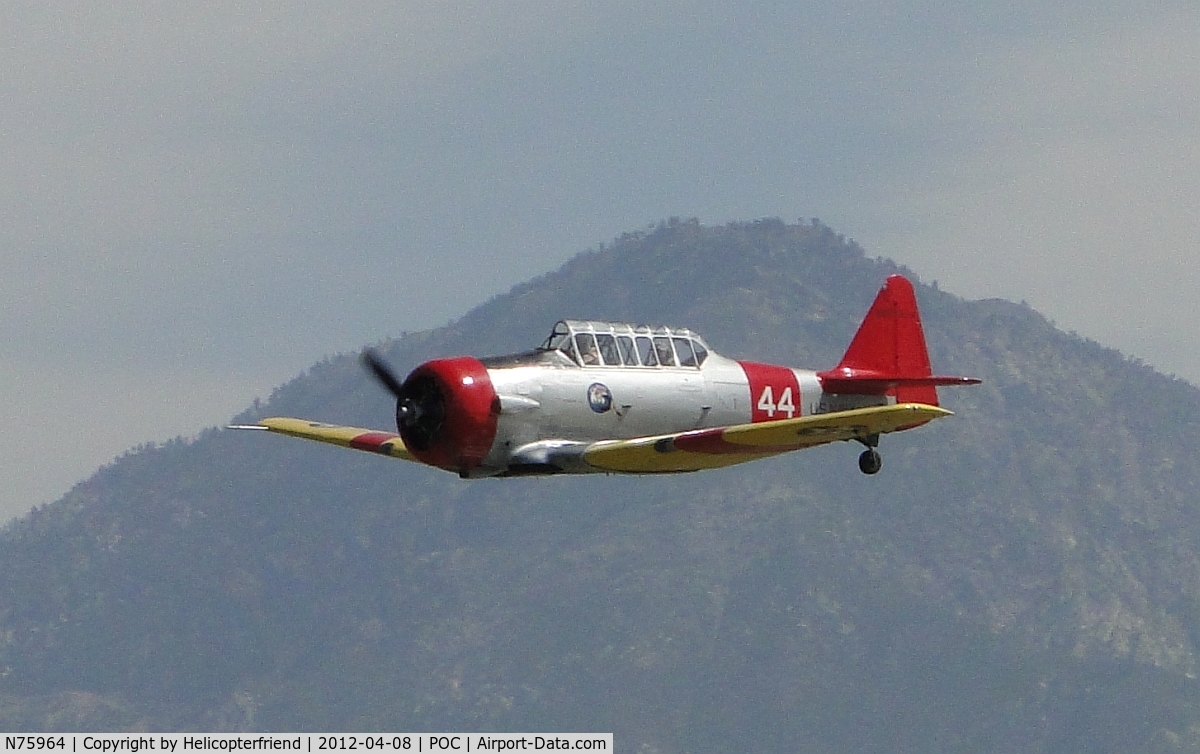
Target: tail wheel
x,y
870,462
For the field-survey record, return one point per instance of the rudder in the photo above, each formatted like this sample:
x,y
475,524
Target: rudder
x,y
887,355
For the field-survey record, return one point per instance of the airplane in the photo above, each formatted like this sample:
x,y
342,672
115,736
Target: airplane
x,y
604,397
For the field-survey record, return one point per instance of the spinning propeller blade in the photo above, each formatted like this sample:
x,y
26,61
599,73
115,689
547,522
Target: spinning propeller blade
x,y
382,372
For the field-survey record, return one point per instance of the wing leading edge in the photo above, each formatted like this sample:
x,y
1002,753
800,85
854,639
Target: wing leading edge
x,y
371,440
725,446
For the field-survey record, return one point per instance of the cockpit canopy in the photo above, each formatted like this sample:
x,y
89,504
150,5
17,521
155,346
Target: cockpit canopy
x,y
611,344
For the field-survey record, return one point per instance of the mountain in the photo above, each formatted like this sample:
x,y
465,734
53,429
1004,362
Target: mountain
x,y
1022,577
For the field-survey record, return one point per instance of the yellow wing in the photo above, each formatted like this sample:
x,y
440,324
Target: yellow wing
x,y
724,446
384,443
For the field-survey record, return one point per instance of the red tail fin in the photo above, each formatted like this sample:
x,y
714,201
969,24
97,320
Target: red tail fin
x,y
887,355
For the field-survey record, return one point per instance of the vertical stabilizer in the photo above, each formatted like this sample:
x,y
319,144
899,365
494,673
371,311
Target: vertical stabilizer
x,y
887,355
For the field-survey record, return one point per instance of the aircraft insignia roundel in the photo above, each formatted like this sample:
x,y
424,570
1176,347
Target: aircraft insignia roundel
x,y
599,397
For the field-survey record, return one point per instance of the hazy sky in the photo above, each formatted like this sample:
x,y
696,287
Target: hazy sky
x,y
201,200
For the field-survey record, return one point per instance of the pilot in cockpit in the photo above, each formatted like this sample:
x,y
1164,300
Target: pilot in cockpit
x,y
588,353
662,347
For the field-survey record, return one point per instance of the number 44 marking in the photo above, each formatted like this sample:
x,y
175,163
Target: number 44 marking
x,y
766,402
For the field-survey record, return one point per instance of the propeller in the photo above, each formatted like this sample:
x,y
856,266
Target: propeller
x,y
383,373
420,407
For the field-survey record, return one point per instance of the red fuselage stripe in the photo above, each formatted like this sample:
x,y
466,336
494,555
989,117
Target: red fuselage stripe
x,y
774,391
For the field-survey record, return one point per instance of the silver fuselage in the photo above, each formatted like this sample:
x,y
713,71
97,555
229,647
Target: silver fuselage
x,y
549,409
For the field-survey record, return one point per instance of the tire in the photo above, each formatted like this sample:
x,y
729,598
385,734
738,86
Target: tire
x,y
870,461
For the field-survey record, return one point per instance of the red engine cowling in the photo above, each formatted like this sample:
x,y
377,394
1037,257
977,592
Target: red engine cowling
x,y
447,413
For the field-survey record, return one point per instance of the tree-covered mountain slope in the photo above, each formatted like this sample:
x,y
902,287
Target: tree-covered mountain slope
x,y
1024,576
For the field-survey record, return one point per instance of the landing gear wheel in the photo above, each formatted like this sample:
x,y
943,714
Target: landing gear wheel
x,y
870,461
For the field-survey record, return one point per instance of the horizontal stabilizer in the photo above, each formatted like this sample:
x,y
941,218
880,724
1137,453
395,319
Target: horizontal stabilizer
x,y
869,382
